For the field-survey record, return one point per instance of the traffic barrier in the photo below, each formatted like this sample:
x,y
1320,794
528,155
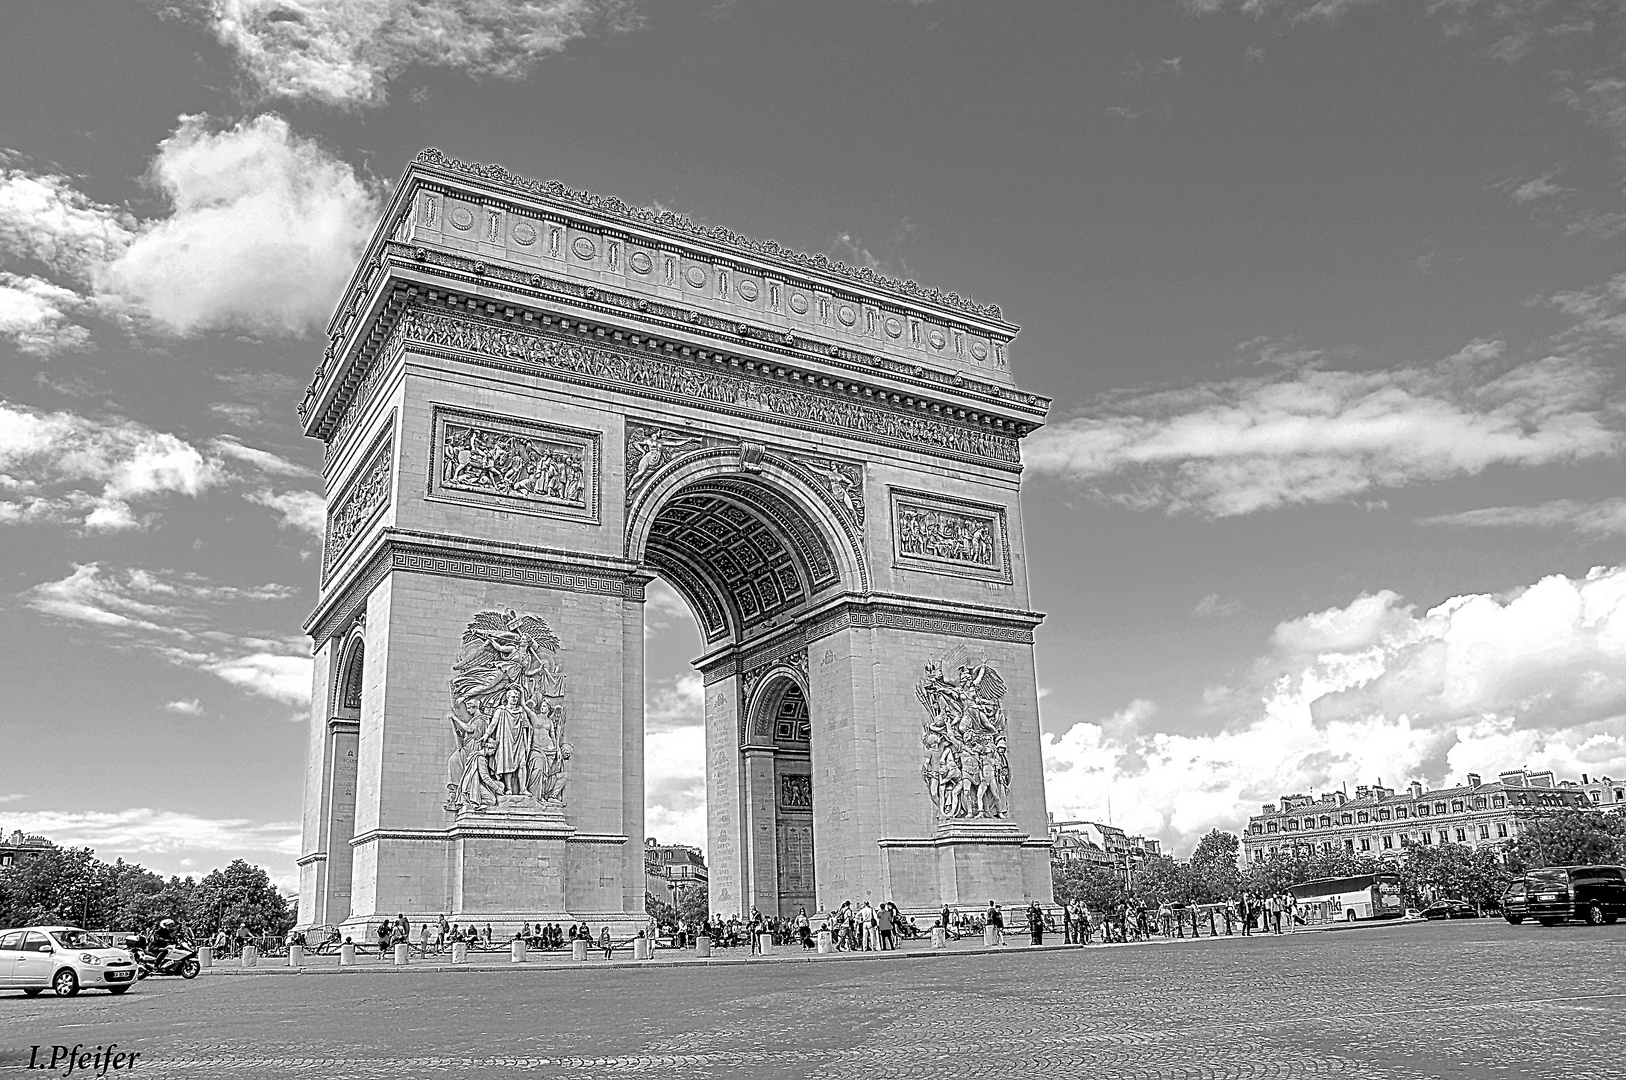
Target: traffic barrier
x,y
827,943
403,953
939,938
516,951
990,935
347,955
251,956
460,952
206,956
578,949
764,944
702,946
296,955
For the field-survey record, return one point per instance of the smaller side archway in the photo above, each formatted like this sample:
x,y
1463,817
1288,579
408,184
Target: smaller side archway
x,y
344,738
778,795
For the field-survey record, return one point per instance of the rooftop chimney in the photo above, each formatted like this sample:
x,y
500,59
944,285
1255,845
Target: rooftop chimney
x,y
1416,789
1515,778
1473,779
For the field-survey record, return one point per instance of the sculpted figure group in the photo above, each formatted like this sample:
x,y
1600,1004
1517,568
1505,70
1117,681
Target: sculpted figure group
x,y
967,768
508,714
502,463
942,535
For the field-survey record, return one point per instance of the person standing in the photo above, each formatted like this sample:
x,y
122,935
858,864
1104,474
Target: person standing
x,y
1245,913
997,921
1035,924
886,927
386,935
403,929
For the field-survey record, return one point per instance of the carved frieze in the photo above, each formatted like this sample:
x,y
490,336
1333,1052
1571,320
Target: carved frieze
x,y
508,717
616,365
360,501
514,463
967,769
943,535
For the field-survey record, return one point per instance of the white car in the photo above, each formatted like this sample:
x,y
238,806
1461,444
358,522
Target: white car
x,y
63,960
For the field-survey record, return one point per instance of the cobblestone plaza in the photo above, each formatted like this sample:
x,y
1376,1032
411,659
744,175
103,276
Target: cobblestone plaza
x,y
1407,1001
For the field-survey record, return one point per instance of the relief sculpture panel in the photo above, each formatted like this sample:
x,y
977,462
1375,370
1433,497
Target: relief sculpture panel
x,y
967,769
508,717
515,464
363,498
949,536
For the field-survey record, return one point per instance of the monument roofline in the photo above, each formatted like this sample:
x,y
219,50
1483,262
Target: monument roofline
x,y
680,228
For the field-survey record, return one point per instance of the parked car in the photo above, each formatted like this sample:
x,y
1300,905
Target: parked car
x,y
63,960
1514,908
1450,909
1595,894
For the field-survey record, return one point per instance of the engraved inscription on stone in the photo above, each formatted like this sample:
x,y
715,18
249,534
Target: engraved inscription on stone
x,y
930,532
479,459
967,770
363,499
508,716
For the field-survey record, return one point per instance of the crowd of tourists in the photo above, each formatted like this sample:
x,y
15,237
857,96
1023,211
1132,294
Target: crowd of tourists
x,y
1137,920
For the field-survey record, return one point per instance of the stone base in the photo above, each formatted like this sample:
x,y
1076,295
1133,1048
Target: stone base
x,y
965,864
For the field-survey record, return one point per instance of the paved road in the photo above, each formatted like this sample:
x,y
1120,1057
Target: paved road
x,y
1459,1000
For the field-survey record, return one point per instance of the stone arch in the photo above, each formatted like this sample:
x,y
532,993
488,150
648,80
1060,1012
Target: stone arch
x,y
347,687
746,541
765,701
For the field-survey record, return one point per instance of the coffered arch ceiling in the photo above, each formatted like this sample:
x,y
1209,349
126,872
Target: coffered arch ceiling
x,y
741,553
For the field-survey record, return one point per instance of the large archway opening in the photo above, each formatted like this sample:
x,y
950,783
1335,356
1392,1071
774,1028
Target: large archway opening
x,y
729,721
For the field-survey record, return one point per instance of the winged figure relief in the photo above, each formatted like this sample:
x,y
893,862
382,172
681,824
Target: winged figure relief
x,y
967,765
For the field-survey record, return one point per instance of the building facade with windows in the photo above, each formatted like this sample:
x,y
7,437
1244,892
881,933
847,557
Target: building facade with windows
x,y
1101,845
1604,793
1379,821
670,868
20,846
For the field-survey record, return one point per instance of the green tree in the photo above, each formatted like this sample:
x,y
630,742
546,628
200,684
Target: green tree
x,y
236,895
57,885
1163,878
692,899
1215,874
1286,869
1455,871
1570,837
1096,887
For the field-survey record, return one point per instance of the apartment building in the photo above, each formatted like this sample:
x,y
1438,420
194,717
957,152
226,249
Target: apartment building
x,y
1381,821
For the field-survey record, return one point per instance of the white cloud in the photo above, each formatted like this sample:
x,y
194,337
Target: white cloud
x,y
1213,606
1606,517
303,510
44,219
142,831
73,455
185,708
264,232
174,615
1312,435
264,460
344,52
1371,690
678,703
34,313
675,761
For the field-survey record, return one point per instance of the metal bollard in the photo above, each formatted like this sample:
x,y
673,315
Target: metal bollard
x,y
516,951
296,955
460,952
206,956
403,953
347,955
702,945
251,956
578,949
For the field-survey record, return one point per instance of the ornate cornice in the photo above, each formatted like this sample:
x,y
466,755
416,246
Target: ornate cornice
x,y
716,386
510,564
681,228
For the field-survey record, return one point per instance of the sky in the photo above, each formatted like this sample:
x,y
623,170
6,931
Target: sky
x,y
1329,296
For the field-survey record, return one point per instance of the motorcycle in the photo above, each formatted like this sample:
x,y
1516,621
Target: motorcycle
x,y
177,958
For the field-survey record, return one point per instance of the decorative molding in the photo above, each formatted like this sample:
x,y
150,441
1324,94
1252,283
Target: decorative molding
x,y
410,552
681,228
362,499
944,535
313,857
1015,630
498,343
514,464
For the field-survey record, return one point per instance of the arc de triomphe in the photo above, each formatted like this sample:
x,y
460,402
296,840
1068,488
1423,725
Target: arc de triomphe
x,y
534,400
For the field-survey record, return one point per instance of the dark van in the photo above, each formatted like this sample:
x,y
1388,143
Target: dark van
x,y
1596,894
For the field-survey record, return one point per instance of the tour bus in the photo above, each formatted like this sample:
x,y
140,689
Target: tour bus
x,y
1365,896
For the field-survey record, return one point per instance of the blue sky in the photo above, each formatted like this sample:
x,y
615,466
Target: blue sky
x,y
1329,295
